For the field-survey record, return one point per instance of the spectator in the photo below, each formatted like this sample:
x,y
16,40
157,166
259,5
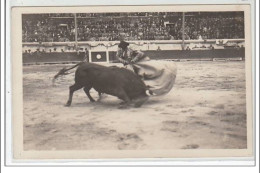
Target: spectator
x,y
188,48
211,47
144,26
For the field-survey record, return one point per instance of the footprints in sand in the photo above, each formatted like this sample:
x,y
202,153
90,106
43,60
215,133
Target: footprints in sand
x,y
171,122
172,126
177,128
67,136
212,113
128,141
188,111
201,123
169,106
219,106
190,146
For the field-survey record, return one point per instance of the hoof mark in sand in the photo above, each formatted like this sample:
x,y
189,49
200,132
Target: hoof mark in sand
x,y
171,126
166,113
190,110
193,117
220,106
158,109
238,136
170,122
212,113
169,129
200,123
191,146
229,113
128,141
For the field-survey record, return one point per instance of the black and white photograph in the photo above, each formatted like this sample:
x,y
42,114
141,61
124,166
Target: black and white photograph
x,y
132,82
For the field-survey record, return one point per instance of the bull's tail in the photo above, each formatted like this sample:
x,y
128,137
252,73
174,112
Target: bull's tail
x,y
64,71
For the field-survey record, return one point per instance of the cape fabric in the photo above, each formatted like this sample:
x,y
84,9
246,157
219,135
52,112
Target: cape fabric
x,y
158,75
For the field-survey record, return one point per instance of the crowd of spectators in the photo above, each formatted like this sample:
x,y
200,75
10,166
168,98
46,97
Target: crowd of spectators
x,y
214,26
43,28
131,26
128,28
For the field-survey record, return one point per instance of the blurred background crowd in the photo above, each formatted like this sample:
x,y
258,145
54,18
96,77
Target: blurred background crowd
x,y
132,26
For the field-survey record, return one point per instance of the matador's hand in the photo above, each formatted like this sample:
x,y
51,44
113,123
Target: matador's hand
x,y
133,60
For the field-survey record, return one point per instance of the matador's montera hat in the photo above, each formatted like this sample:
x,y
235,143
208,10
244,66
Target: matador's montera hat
x,y
123,44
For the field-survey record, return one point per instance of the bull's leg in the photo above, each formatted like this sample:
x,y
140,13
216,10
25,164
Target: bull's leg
x,y
100,96
73,88
122,95
140,101
86,89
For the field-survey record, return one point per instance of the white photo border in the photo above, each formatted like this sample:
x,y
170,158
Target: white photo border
x,y
131,162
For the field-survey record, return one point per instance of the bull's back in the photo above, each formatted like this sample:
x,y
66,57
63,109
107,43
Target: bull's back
x,y
110,79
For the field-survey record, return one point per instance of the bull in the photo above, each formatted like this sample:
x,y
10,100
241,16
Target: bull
x,y
115,81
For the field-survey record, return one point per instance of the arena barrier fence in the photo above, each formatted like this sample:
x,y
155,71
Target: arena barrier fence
x,y
102,56
207,50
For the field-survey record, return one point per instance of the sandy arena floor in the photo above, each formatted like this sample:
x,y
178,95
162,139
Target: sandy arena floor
x,y
206,109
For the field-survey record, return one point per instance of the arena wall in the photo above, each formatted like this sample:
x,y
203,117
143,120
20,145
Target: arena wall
x,y
106,51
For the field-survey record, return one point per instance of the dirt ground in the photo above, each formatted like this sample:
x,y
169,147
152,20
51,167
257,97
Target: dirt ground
x,y
206,109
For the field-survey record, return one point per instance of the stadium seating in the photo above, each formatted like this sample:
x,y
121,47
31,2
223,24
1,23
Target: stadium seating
x,y
132,26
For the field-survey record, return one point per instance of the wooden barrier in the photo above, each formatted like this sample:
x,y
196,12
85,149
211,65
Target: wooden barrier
x,y
195,55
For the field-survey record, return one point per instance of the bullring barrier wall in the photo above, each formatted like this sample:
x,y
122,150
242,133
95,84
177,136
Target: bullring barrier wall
x,y
106,51
164,54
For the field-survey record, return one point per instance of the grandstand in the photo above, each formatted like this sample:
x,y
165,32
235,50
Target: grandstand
x,y
47,36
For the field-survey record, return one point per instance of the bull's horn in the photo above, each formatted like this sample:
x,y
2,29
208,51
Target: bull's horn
x,y
149,93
